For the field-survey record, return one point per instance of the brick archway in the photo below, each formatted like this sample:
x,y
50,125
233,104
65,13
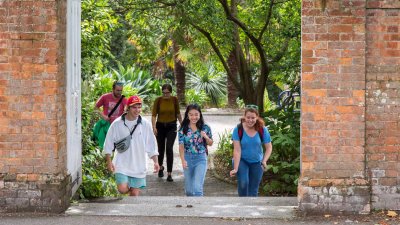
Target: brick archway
x,y
350,139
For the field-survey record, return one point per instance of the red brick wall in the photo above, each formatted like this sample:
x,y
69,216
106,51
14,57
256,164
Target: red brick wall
x,y
333,175
383,102
32,105
350,106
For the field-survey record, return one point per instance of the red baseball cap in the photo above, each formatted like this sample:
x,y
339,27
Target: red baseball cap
x,y
134,100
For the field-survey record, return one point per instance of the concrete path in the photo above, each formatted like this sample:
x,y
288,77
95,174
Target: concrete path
x,y
218,207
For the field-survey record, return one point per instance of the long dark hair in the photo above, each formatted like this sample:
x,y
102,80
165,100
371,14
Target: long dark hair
x,y
186,121
259,122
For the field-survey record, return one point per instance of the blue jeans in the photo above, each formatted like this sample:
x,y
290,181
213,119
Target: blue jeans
x,y
195,173
249,177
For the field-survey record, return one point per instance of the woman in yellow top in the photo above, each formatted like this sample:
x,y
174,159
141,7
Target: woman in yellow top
x,y
164,115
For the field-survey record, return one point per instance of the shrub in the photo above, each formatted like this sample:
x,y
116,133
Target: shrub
x,y
222,158
199,97
95,179
284,163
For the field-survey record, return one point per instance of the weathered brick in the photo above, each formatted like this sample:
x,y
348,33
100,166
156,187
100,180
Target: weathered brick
x,y
366,121
29,194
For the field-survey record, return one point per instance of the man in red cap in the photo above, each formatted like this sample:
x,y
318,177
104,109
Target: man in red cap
x,y
130,138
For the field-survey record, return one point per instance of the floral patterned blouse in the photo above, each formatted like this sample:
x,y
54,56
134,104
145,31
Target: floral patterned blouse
x,y
192,141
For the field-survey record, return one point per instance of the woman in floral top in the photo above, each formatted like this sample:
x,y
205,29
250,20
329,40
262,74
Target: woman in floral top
x,y
194,136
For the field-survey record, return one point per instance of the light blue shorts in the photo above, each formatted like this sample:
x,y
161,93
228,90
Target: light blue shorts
x,y
132,182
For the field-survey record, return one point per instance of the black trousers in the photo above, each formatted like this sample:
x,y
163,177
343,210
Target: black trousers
x,y
166,135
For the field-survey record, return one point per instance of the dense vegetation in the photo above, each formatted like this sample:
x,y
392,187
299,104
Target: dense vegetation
x,y
216,53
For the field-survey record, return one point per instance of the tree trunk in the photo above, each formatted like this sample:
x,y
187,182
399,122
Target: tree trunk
x,y
233,92
245,78
179,71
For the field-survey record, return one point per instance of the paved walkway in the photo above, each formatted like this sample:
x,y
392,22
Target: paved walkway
x,y
210,207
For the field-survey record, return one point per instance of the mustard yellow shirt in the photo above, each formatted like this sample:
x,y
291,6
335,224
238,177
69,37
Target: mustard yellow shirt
x,y
166,109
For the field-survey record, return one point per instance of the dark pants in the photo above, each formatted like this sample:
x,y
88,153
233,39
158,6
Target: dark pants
x,y
166,135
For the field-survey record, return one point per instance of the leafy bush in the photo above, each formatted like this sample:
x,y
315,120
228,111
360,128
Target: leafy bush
x,y
193,96
141,82
207,78
222,158
95,179
284,163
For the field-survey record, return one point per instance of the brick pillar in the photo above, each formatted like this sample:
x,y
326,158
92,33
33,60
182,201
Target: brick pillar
x,y
32,106
383,102
333,172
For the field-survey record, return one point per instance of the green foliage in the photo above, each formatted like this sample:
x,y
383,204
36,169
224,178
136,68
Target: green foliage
x,y
284,163
141,82
207,78
95,179
222,158
141,31
98,23
199,97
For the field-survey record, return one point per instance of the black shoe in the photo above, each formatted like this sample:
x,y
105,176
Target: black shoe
x,y
161,172
169,178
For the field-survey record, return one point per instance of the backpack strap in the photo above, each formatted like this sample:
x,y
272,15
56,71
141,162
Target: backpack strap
x,y
158,104
261,133
240,131
175,105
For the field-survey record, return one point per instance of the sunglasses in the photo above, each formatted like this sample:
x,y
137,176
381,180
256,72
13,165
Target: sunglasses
x,y
252,107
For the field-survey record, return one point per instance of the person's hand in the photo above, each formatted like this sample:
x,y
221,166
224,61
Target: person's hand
x,y
155,131
105,117
156,168
203,134
233,173
184,164
110,167
264,165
